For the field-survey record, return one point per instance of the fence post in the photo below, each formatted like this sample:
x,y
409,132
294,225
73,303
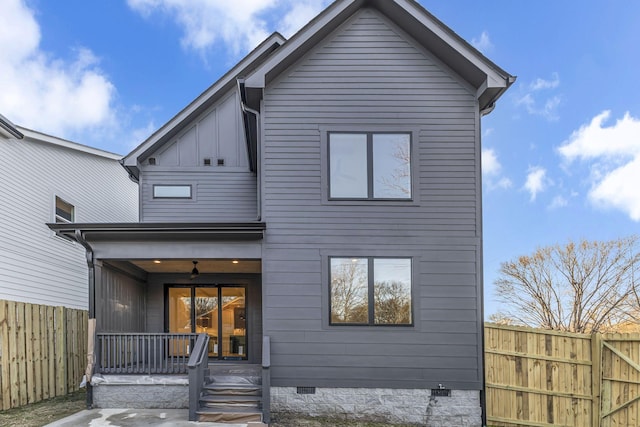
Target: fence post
x,y
596,376
60,348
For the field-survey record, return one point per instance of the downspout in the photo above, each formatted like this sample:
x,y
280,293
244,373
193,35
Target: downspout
x,y
246,109
92,297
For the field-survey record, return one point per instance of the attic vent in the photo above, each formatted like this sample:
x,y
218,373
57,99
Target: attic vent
x,y
306,390
220,162
207,162
152,160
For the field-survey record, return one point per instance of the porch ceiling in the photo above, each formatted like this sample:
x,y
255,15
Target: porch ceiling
x,y
205,266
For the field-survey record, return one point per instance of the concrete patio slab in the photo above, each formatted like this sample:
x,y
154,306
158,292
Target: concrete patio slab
x,y
137,418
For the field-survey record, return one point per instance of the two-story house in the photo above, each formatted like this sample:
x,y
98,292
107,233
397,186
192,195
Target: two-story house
x,y
316,213
45,179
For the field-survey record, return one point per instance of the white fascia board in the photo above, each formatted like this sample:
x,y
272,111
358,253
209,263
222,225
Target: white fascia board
x,y
41,137
257,79
131,159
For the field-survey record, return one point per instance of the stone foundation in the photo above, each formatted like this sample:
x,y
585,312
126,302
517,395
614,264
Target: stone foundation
x,y
413,406
140,392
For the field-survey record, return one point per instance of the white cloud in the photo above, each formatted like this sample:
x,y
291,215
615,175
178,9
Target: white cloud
x,y
240,25
558,202
613,156
483,44
491,171
490,163
540,84
537,181
536,99
47,93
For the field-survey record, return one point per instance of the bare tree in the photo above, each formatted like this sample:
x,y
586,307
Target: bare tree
x,y
392,303
578,287
349,293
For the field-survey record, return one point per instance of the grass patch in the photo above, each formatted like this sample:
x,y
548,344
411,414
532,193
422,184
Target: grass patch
x,y
45,412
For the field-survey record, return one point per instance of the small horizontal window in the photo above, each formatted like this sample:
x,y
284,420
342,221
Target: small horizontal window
x,y
64,211
370,291
171,191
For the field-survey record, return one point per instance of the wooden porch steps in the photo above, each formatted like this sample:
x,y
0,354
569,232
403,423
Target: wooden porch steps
x,y
231,394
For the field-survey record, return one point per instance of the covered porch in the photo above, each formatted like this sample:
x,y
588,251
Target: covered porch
x,y
171,301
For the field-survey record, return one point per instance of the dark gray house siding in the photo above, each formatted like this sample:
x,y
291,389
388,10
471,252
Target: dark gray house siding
x,y
370,76
224,189
121,300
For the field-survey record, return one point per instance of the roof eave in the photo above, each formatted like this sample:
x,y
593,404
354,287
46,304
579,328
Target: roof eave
x,y
207,98
160,231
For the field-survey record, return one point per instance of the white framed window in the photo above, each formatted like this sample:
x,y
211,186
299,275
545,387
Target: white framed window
x,y
373,291
172,192
65,211
369,165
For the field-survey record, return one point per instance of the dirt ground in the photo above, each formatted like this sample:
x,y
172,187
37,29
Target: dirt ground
x,y
294,421
42,413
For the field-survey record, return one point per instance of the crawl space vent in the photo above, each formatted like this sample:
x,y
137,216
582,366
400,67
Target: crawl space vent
x,y
306,390
207,162
440,392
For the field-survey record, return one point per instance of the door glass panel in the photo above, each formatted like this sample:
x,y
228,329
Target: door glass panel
x,y
206,305
234,323
179,318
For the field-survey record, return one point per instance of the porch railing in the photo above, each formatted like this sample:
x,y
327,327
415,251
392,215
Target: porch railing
x,y
198,367
139,354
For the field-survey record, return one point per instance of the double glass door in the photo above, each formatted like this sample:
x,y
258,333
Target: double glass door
x,y
219,311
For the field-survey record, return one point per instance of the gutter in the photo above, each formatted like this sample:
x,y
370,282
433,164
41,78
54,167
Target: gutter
x,y
247,110
10,127
92,302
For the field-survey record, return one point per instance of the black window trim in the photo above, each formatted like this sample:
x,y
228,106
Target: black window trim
x,y
370,292
370,184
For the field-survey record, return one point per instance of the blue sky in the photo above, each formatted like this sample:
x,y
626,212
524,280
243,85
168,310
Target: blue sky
x,y
561,150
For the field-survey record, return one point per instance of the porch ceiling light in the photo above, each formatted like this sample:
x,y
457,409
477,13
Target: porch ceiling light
x,y
235,261
195,273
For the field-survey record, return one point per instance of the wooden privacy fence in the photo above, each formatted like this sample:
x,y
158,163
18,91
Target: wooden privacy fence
x,y
548,378
43,352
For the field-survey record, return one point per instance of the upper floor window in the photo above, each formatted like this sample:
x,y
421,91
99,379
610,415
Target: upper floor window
x,y
65,211
370,166
370,291
171,191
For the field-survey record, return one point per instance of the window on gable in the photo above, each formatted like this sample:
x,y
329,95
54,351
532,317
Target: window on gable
x,y
64,211
171,191
370,291
370,166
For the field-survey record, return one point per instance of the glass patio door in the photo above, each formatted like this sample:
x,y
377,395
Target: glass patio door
x,y
219,311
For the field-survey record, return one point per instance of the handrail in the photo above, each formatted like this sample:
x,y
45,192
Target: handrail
x,y
266,379
198,364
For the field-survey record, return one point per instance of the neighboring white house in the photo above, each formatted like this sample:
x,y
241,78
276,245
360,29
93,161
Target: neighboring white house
x,y
44,179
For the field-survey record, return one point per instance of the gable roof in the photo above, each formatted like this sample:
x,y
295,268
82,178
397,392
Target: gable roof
x,y
276,54
27,135
489,80
201,103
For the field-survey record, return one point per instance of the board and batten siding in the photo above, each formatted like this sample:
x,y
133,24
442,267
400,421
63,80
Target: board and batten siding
x,y
370,76
121,301
36,266
219,192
